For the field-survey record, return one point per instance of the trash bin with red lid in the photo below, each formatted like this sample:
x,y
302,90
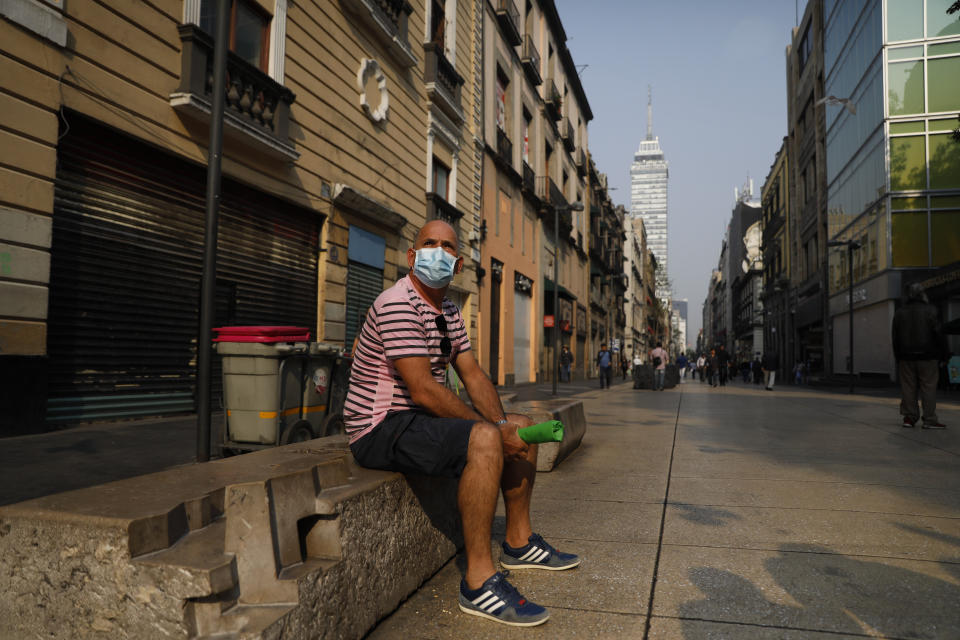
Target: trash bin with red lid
x,y
275,387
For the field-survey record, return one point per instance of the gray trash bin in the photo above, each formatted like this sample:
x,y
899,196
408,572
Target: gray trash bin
x,y
275,393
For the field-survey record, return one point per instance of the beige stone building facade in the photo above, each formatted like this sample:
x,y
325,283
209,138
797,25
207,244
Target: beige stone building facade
x,y
349,123
535,149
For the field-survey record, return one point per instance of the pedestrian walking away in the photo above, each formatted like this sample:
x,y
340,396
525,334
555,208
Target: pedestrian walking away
x,y
713,367
400,417
566,362
682,366
919,345
604,366
723,361
770,364
757,367
658,357
702,368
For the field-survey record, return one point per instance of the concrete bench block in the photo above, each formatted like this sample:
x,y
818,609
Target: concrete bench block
x,y
570,413
295,542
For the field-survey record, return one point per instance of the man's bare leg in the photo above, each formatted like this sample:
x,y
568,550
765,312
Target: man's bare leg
x,y
477,498
517,486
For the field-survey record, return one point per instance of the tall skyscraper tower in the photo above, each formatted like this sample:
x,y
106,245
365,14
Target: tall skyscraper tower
x,y
648,198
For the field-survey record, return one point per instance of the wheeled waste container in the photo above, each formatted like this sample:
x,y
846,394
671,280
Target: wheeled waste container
x,y
276,385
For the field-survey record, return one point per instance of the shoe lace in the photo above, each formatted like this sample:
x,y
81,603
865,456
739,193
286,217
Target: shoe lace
x,y
538,539
506,590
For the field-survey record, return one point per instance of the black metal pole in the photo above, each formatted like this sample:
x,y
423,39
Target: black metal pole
x,y
209,283
850,248
556,298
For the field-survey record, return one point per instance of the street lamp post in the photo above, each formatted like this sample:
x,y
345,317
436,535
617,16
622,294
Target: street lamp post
x,y
576,206
851,245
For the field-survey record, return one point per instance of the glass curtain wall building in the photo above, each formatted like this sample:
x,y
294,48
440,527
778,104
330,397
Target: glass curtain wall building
x,y
893,170
648,199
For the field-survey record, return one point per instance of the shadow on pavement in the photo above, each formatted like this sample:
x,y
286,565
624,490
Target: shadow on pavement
x,y
816,590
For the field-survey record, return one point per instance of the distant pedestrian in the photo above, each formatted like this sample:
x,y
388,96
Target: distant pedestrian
x,y
637,363
682,366
713,368
624,365
770,364
798,373
702,368
658,357
566,361
604,366
757,367
745,370
919,344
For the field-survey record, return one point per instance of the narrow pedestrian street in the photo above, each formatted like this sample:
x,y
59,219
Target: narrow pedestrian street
x,y
736,513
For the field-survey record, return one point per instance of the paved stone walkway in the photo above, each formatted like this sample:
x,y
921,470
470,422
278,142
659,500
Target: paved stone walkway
x,y
736,513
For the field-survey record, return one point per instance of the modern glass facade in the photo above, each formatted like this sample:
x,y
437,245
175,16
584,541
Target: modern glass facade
x,y
893,170
648,200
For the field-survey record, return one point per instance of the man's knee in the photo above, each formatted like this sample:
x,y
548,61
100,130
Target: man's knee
x,y
485,438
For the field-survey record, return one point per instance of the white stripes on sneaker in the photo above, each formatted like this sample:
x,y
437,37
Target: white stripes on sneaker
x,y
535,554
489,602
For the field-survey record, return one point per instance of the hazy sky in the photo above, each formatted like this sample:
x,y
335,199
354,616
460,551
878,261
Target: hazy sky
x,y
718,75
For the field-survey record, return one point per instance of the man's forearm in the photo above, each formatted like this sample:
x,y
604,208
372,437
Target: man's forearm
x,y
442,402
484,397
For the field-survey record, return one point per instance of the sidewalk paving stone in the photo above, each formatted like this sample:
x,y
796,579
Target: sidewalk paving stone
x,y
839,496
675,628
610,520
849,532
592,485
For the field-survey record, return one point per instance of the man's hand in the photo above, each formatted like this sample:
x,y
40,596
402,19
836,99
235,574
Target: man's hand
x,y
513,447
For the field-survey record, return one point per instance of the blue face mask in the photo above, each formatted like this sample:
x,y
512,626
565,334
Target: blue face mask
x,y
434,267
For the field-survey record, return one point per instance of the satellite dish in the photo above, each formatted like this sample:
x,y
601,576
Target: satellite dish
x,y
745,266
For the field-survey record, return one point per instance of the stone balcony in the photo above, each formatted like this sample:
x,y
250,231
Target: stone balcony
x,y
509,19
569,134
530,59
443,82
552,99
257,109
504,147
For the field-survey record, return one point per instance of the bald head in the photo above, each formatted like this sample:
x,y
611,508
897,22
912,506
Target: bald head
x,y
437,233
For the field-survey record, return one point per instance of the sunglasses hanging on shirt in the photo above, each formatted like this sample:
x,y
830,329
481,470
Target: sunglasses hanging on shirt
x,y
445,344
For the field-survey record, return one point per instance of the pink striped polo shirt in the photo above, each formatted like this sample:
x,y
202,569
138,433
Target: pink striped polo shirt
x,y
400,324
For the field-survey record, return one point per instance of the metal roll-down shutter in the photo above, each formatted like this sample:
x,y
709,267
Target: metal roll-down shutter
x,y
126,266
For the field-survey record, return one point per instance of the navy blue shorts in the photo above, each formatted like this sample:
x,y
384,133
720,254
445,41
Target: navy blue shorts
x,y
416,442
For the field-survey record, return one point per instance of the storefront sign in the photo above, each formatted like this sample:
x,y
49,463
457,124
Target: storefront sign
x,y
548,321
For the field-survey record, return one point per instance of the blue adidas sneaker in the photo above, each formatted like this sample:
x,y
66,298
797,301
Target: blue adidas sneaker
x,y
537,554
498,600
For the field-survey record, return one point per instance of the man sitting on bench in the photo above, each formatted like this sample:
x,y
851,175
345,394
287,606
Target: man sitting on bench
x,y
401,417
